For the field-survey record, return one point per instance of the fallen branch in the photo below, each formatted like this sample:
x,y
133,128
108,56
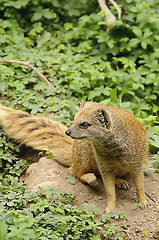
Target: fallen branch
x,y
109,16
28,65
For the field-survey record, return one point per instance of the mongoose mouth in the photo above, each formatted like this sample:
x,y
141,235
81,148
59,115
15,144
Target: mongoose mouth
x,y
77,137
69,133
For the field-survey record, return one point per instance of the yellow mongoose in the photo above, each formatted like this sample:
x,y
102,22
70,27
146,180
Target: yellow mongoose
x,y
117,144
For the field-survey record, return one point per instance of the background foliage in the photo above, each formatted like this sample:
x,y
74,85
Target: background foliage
x,y
67,41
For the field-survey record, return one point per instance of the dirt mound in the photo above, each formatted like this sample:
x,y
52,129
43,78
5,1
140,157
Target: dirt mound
x,y
142,223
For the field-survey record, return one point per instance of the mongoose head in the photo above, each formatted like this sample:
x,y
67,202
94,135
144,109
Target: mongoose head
x,y
92,123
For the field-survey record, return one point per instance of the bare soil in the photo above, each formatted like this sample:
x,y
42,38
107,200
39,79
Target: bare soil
x,y
142,223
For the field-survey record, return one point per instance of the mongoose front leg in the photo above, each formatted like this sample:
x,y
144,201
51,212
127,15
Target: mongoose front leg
x,y
109,184
139,183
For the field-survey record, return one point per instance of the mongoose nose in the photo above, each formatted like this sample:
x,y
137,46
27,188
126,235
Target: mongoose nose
x,y
68,132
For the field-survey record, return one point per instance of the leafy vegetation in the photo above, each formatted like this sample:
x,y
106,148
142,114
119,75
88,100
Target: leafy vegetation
x,y
49,215
67,41
11,164
69,44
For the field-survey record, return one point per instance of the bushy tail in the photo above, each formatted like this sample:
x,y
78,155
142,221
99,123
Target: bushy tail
x,y
40,133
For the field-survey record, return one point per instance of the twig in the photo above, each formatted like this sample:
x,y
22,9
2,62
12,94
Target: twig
x,y
151,198
28,65
109,16
116,7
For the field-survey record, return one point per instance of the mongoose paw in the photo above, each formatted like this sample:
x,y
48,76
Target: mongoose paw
x,y
144,205
108,210
121,184
90,179
110,207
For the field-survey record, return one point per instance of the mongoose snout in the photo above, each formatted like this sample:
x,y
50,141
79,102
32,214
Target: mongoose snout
x,y
68,132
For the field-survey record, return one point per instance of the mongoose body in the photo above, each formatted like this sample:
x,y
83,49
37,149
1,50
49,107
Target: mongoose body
x,y
114,144
119,142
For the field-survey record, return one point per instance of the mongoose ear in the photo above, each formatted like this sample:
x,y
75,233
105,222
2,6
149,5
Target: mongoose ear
x,y
82,104
104,117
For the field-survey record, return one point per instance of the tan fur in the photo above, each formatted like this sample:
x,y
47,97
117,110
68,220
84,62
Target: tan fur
x,y
119,142
40,133
115,144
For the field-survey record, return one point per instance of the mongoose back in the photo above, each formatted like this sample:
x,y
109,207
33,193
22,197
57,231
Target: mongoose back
x,y
119,142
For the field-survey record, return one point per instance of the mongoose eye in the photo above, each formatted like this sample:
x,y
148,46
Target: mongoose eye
x,y
84,125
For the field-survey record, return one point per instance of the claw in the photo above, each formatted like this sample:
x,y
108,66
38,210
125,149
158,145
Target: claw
x,y
143,206
108,210
121,184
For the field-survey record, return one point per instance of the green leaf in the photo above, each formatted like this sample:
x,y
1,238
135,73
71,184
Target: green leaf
x,y
48,14
36,16
137,31
3,230
155,141
134,42
143,45
113,95
110,43
17,4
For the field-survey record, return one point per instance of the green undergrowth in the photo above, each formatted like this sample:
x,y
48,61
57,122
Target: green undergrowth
x,y
68,42
47,214
11,164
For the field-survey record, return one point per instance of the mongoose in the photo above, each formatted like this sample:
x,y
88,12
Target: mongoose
x,y
119,142
42,133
